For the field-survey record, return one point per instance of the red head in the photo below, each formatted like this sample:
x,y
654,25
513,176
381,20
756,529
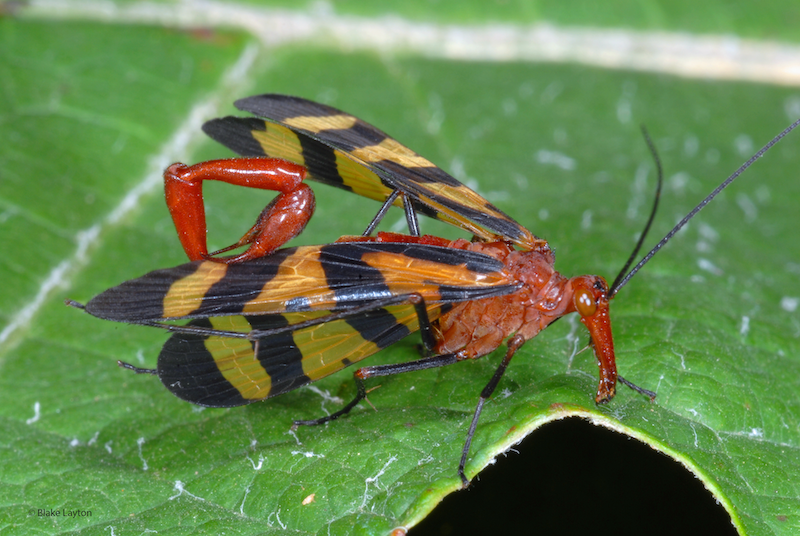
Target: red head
x,y
590,300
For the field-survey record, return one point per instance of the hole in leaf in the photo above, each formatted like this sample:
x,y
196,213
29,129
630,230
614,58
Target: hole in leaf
x,y
572,477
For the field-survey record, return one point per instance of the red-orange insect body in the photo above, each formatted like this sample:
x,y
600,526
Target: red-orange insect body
x,y
476,328
471,329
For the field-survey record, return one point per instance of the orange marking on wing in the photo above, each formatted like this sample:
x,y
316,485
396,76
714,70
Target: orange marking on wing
x,y
405,275
299,276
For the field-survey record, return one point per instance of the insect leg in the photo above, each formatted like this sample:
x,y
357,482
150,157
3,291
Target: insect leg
x,y
281,220
381,213
408,207
382,370
513,345
428,341
411,216
425,328
640,390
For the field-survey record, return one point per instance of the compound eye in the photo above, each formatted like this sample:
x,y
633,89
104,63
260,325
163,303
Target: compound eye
x,y
585,303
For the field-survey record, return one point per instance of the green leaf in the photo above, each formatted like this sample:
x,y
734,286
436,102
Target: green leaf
x,y
711,323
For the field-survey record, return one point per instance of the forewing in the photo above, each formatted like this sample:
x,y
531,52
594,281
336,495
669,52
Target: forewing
x,y
341,150
333,277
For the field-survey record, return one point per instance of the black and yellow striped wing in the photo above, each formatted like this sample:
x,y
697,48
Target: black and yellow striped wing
x,y
346,152
269,298
216,371
331,277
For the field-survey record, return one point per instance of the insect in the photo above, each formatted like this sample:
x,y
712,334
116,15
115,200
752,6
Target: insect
x,y
269,320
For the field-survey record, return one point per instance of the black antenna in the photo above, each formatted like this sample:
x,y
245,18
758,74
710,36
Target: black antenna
x,y
615,288
659,183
